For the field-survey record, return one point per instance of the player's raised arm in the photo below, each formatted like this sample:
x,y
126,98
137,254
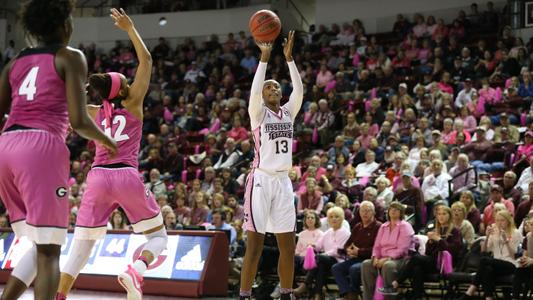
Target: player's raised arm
x,y
297,95
144,70
255,107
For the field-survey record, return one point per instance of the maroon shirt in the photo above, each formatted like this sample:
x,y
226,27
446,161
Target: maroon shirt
x,y
453,244
521,211
363,238
474,216
512,194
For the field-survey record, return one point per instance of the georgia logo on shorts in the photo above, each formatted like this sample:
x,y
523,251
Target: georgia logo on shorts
x,y
61,192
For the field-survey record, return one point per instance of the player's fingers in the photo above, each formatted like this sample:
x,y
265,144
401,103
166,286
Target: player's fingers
x,y
122,11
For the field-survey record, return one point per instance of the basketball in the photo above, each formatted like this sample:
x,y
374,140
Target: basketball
x,y
265,26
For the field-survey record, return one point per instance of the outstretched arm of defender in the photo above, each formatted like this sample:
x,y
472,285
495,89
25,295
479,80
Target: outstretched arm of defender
x,y
255,107
297,95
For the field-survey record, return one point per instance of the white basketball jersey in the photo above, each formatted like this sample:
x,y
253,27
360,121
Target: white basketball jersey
x,y
273,141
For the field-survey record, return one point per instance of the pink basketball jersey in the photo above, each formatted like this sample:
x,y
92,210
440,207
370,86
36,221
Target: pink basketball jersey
x,y
38,93
126,130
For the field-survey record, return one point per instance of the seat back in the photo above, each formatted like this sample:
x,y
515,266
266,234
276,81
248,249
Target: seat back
x,y
472,258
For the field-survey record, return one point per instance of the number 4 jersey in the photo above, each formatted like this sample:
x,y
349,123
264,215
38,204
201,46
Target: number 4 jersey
x,y
38,93
126,130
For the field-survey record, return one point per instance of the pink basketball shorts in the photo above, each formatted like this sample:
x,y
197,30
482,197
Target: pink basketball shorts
x,y
34,170
109,188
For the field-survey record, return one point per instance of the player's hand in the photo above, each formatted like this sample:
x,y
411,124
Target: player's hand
x,y
121,19
110,145
266,47
288,43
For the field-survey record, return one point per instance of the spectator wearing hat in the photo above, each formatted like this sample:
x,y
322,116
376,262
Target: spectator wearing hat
x,y
194,73
486,123
496,196
438,144
526,177
413,198
514,134
477,151
338,148
465,95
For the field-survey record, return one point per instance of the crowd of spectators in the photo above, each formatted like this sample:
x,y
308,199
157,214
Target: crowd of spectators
x,y
426,130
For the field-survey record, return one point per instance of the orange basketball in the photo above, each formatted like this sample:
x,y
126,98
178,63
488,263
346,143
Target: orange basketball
x,y
265,26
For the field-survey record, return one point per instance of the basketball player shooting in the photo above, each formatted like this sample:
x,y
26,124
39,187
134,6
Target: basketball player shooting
x,y
269,204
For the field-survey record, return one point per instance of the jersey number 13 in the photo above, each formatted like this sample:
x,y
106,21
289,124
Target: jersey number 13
x,y
282,146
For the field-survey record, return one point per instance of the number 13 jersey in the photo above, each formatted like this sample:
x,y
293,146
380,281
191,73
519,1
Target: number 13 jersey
x,y
273,141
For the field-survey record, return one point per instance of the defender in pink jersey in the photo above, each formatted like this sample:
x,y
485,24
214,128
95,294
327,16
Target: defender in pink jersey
x,y
114,181
269,201
43,89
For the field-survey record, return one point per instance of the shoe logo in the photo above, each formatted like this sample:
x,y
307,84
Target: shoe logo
x,y
61,192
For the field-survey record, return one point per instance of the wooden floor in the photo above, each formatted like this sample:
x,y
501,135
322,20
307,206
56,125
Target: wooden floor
x,y
90,295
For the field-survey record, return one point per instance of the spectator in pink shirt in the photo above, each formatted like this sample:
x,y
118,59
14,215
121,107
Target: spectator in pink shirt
x,y
237,132
324,76
391,247
328,248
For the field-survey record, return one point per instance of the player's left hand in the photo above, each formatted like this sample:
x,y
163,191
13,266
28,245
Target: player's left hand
x,y
287,45
122,20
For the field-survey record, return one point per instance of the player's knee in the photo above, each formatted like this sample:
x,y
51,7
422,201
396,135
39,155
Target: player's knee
x,y
48,251
157,242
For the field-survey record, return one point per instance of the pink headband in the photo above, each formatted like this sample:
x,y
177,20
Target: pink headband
x,y
113,93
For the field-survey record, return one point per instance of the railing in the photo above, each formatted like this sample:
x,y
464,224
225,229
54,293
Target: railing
x,y
450,191
303,20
